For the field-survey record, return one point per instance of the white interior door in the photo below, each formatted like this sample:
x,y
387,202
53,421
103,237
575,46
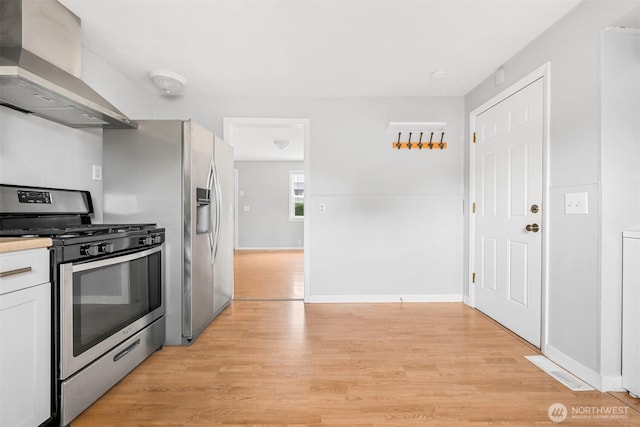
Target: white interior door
x,y
508,212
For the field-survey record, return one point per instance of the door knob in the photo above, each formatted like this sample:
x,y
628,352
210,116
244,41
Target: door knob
x,y
532,227
535,208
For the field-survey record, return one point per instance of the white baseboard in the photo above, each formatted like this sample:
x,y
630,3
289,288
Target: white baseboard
x,y
612,383
296,248
382,298
603,383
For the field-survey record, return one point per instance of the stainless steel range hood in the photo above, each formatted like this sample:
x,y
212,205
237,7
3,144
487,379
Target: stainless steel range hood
x,y
40,67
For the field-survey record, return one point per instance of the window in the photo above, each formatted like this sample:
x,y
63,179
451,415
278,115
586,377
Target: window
x,y
296,194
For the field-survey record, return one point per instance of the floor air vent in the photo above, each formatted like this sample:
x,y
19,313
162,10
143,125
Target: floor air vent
x,y
570,381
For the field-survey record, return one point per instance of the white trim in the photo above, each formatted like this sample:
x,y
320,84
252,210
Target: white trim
x,y
236,218
351,299
603,383
544,73
307,202
623,30
279,248
539,73
612,383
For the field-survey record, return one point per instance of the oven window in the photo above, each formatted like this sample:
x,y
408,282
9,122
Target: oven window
x,y
107,299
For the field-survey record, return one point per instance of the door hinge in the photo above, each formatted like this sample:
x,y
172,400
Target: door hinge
x,y
473,207
473,278
474,137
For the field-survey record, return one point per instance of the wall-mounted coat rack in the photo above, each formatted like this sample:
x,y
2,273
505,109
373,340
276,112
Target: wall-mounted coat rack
x,y
420,135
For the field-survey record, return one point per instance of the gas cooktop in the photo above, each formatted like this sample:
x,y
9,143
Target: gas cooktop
x,y
65,216
78,230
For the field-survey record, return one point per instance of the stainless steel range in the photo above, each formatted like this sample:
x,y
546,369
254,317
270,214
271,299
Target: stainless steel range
x,y
107,291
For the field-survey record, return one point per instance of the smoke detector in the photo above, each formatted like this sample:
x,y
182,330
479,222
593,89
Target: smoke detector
x,y
439,75
168,82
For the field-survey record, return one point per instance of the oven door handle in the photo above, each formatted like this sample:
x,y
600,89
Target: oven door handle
x,y
127,350
89,265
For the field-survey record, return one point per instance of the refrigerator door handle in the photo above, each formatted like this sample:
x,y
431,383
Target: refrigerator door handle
x,y
217,210
210,187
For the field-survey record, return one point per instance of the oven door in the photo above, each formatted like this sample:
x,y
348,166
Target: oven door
x,y
105,301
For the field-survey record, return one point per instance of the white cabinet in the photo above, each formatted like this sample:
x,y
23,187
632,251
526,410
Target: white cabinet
x,y
630,312
25,338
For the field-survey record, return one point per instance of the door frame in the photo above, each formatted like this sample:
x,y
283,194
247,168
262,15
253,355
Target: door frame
x,y
231,123
544,73
236,191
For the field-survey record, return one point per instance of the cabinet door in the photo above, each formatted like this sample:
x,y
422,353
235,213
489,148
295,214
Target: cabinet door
x,y
630,315
25,356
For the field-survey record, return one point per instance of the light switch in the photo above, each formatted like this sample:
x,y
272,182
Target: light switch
x,y
97,173
246,208
576,204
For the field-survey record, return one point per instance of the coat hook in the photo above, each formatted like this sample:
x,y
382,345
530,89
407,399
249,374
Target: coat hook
x,y
398,145
431,141
409,142
420,141
441,139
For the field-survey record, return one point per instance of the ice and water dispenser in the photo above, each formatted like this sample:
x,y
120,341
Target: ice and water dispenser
x,y
203,210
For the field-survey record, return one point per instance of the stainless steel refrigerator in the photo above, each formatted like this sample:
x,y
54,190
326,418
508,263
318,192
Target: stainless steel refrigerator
x,y
167,172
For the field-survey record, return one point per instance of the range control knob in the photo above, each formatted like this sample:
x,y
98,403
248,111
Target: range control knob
x,y
89,250
106,248
146,240
157,238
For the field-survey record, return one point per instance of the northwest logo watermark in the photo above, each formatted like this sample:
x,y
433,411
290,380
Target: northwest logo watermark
x,y
558,412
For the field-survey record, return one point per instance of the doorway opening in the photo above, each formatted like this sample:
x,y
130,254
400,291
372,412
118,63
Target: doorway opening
x,y
271,233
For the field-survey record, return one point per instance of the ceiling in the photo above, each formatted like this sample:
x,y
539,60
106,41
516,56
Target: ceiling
x,y
630,21
314,48
311,48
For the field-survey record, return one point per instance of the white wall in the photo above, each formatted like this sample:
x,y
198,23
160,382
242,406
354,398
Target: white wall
x,y
37,152
575,317
122,92
264,188
393,221
394,218
620,176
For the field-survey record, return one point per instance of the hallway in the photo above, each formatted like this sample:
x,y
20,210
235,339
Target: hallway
x,y
269,275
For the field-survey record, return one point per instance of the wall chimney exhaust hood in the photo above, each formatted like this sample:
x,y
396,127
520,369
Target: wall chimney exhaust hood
x,y
40,67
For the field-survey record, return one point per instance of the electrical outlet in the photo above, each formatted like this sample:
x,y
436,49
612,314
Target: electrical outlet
x,y
97,173
322,208
576,204
246,208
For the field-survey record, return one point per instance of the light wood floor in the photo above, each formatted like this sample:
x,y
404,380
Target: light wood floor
x,y
290,364
269,275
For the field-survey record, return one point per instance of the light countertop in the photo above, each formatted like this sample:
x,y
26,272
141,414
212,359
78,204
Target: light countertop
x,y
10,244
